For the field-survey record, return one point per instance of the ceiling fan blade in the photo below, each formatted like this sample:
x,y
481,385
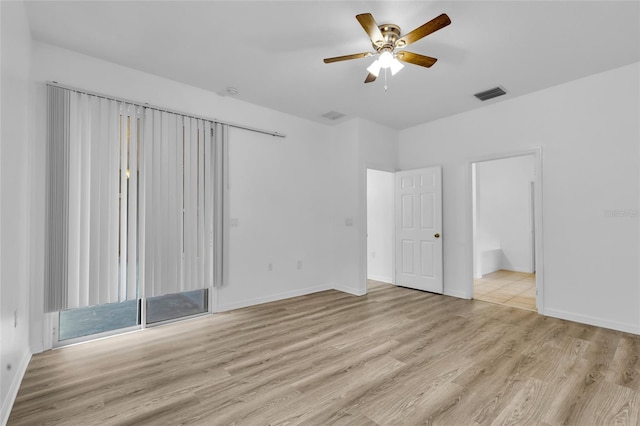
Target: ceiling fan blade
x,y
371,28
424,30
370,78
347,57
416,59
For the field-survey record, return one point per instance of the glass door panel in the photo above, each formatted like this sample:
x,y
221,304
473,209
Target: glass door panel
x,y
98,319
178,305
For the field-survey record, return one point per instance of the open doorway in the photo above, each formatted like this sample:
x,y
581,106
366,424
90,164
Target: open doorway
x,y
380,227
504,252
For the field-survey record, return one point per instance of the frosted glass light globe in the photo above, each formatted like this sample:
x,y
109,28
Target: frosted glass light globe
x,y
386,58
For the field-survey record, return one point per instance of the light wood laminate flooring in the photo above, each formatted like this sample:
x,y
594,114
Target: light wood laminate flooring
x,y
393,357
517,289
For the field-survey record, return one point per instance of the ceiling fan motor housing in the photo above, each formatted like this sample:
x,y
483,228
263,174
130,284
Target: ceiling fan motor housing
x,y
390,33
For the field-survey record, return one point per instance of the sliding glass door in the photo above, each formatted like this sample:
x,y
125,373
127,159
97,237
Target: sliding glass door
x,y
90,322
133,215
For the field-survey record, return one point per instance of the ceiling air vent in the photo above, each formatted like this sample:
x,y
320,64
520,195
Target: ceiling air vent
x,y
333,115
491,93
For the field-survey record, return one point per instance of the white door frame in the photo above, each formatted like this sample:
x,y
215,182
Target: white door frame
x,y
537,164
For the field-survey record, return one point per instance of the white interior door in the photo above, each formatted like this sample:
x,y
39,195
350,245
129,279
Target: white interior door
x,y
418,204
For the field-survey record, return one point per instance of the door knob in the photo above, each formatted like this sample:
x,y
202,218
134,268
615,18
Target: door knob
x,y
437,235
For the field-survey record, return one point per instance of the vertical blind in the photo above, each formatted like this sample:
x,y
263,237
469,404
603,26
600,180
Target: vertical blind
x,y
132,199
176,220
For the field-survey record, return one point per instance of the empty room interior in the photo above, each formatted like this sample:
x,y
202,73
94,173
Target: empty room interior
x,y
310,212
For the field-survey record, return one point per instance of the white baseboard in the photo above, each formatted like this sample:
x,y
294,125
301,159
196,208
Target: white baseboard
x,y
287,295
586,319
271,298
351,290
381,278
456,293
7,404
525,269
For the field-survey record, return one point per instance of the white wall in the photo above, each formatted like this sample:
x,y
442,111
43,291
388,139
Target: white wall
x,y
358,144
15,167
278,203
348,173
380,225
503,213
589,131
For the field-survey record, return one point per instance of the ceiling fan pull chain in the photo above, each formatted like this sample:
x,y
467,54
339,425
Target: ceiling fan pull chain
x,y
385,79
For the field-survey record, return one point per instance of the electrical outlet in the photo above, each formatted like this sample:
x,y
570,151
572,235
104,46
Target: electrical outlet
x,y
348,221
270,267
299,264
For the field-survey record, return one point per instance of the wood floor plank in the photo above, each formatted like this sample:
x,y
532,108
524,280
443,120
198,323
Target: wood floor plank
x,y
625,370
393,357
521,409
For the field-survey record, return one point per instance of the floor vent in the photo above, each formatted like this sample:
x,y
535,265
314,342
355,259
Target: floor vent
x,y
333,115
491,93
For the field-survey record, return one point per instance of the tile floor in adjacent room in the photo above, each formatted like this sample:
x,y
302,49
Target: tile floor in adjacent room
x,y
517,289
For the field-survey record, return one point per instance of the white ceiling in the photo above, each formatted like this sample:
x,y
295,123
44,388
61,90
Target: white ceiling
x,y
272,51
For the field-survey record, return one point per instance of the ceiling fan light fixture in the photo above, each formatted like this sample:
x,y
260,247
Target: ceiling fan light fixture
x,y
386,59
396,66
374,68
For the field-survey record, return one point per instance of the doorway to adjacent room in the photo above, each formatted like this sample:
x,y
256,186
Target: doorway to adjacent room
x,y
380,226
504,252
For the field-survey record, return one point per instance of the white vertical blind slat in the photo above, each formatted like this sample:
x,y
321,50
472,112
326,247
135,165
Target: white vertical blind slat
x,y
97,168
85,199
208,204
124,197
143,198
132,221
178,206
220,234
201,230
160,208
210,155
74,204
113,160
187,254
193,186
174,206
192,218
168,197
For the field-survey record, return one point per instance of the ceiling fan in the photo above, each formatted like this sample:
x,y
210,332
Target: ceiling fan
x,y
386,39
